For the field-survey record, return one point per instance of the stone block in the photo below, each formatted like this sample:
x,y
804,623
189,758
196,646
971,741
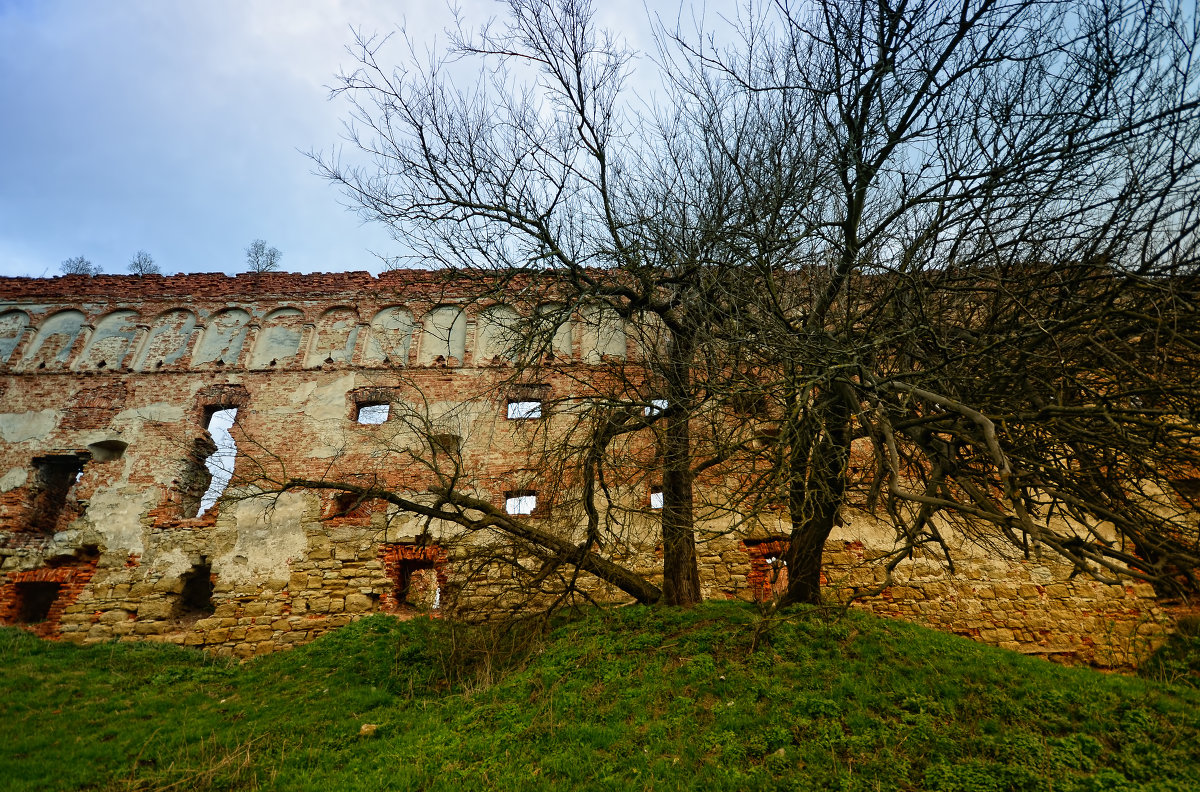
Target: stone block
x,y
115,616
259,633
155,609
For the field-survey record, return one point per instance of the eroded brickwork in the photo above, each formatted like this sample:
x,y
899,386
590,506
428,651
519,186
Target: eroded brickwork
x,y
107,385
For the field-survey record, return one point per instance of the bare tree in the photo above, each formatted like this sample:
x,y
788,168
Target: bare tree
x,y
142,263
260,258
947,247
78,265
990,322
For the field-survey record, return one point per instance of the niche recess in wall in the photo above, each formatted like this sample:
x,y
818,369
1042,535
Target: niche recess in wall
x,y
196,597
35,599
53,484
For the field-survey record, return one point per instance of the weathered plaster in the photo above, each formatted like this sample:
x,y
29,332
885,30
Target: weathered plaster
x,y
269,534
27,426
15,477
116,513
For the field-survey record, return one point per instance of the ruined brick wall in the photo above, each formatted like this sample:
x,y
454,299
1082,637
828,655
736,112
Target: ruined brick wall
x,y
107,385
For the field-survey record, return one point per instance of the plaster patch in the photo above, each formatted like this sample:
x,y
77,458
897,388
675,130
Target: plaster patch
x,y
301,394
160,412
328,402
173,563
26,426
326,452
269,535
13,479
116,513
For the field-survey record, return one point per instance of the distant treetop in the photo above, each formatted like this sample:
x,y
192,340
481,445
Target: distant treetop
x,y
78,265
142,263
260,258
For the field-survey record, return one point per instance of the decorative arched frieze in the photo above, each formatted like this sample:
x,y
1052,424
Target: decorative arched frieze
x,y
334,337
221,341
603,334
556,323
496,339
443,336
167,341
12,329
55,339
390,337
111,342
278,341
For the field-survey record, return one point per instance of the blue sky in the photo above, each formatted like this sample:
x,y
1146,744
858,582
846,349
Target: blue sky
x,y
179,128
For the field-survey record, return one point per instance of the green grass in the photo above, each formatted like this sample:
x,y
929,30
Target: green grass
x,y
638,698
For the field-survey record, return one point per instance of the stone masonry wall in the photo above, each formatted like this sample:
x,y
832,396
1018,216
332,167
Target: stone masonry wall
x,y
106,387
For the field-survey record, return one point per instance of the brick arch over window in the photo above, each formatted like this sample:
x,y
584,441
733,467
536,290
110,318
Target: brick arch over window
x,y
219,397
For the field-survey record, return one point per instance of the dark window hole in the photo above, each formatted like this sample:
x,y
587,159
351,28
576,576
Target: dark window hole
x,y
36,599
196,598
54,476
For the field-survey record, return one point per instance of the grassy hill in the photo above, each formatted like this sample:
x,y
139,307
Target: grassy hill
x,y
713,698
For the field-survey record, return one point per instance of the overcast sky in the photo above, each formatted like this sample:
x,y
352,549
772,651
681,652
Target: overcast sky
x,y
180,127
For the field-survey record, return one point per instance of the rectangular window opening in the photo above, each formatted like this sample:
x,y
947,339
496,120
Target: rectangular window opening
x,y
524,410
36,599
655,407
520,503
656,498
372,413
417,585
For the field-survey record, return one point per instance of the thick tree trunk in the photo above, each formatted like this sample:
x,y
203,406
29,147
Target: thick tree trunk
x,y
804,559
816,490
681,573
